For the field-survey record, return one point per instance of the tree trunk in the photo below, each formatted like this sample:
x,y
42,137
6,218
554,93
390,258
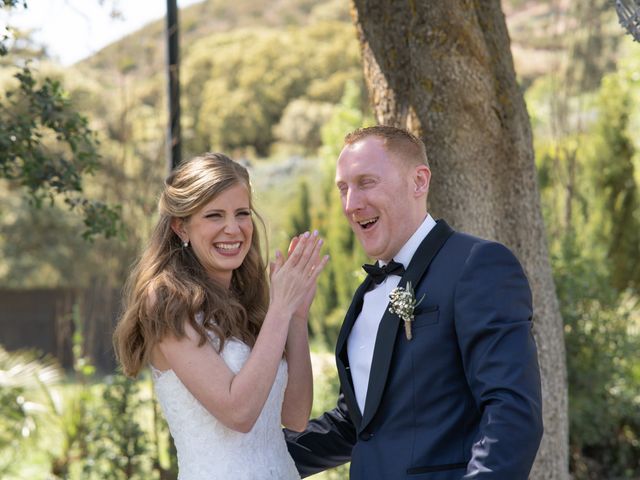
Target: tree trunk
x,y
443,69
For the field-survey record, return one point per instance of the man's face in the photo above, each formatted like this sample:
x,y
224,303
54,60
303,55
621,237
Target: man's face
x,y
378,197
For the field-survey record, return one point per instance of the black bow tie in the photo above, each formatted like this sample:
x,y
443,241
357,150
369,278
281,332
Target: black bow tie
x,y
379,273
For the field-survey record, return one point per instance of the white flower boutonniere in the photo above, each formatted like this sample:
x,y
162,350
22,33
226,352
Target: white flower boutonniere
x,y
403,303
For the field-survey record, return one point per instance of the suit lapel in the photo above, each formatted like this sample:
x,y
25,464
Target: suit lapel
x,y
342,360
389,325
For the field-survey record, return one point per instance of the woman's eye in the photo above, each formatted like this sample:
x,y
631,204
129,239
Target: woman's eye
x,y
213,215
245,213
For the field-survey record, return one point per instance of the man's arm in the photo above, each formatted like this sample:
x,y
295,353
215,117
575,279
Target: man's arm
x,y
326,442
493,315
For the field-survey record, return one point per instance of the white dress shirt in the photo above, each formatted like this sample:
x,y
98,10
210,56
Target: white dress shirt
x,y
362,338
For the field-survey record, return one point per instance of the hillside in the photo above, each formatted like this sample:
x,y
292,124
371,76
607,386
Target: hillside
x,y
537,29
257,74
144,50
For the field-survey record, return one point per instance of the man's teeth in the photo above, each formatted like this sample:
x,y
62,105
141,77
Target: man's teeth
x,y
364,223
228,246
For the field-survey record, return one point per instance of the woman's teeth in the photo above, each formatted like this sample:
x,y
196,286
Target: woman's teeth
x,y
227,246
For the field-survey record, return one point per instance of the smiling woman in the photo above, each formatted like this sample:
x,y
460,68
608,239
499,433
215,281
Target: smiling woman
x,y
204,202
198,311
220,233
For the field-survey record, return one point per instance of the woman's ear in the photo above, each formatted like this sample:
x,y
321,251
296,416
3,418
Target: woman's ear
x,y
177,225
421,179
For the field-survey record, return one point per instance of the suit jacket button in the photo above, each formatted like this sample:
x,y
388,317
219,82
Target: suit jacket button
x,y
366,435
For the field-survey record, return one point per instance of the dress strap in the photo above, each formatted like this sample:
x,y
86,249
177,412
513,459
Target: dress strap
x,y
156,373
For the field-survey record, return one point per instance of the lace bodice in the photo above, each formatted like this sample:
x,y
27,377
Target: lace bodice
x,y
207,450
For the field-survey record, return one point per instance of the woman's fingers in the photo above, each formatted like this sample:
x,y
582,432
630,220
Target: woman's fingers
x,y
294,279
319,267
272,267
296,248
276,265
312,282
314,256
310,251
292,244
304,256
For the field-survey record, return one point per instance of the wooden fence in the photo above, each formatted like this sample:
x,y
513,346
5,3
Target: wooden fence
x,y
43,319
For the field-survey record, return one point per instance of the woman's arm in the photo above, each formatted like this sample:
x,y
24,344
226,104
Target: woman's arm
x,y
236,400
298,396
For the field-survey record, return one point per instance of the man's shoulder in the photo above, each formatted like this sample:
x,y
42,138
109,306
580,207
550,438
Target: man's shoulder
x,y
463,241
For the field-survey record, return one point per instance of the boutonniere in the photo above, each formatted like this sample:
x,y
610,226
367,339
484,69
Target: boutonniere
x,y
403,303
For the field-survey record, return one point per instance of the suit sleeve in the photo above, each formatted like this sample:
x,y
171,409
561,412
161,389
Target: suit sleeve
x,y
493,317
325,443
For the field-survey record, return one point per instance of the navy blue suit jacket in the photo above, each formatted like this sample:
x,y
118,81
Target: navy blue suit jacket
x,y
462,398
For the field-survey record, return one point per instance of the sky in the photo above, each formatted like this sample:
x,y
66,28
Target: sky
x,y
75,29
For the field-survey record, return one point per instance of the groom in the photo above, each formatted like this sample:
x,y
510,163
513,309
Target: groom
x,y
454,394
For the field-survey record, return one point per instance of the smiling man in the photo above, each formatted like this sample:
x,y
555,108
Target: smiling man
x,y
457,393
383,186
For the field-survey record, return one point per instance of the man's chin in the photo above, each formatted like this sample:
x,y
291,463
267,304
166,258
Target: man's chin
x,y
371,251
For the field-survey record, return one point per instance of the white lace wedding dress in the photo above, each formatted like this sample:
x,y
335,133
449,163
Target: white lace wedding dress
x,y
207,450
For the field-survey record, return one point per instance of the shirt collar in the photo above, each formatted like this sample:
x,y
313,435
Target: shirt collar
x,y
405,254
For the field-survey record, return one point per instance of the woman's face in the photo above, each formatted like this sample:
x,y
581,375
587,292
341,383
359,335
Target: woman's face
x,y
220,232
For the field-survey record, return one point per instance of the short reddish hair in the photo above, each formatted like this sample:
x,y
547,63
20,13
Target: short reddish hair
x,y
408,147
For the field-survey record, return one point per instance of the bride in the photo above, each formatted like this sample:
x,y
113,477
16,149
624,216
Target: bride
x,y
229,356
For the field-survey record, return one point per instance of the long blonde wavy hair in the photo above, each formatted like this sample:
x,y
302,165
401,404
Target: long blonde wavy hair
x,y
169,286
